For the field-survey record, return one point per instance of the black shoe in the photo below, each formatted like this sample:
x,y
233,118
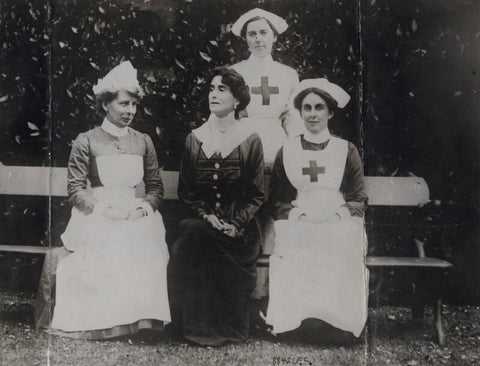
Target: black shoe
x,y
258,325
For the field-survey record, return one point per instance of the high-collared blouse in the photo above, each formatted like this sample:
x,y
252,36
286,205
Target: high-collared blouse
x,y
98,142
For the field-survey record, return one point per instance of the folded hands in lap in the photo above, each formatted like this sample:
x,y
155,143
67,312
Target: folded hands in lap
x,y
220,225
311,217
116,213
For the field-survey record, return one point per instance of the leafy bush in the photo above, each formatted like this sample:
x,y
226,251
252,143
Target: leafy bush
x,y
73,43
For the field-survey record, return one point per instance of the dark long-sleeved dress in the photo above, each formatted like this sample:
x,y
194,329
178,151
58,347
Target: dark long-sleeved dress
x,y
317,269
212,275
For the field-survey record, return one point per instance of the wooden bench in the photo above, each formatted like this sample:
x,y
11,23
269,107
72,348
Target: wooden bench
x,y
381,191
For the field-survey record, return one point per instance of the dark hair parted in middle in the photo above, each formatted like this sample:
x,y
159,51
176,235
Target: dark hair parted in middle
x,y
243,32
237,86
331,103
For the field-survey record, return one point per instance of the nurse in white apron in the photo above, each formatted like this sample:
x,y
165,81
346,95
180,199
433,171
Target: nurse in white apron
x,y
317,269
271,85
111,278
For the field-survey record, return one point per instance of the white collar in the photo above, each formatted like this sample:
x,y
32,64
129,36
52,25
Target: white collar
x,y
224,142
116,131
317,138
262,61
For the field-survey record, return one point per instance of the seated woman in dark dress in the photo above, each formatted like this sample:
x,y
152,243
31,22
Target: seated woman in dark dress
x,y
212,270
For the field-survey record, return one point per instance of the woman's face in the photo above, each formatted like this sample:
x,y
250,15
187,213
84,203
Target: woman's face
x,y
122,109
315,113
260,38
220,99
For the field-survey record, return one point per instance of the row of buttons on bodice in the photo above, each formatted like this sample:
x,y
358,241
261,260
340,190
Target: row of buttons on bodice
x,y
218,195
121,149
213,173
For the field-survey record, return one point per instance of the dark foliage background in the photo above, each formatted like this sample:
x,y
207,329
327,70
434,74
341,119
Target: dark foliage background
x,y
412,66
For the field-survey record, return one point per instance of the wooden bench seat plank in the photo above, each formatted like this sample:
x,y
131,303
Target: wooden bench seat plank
x,y
407,262
33,249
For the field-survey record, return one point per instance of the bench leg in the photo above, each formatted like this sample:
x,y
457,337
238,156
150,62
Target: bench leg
x,y
438,283
418,305
428,287
438,322
418,308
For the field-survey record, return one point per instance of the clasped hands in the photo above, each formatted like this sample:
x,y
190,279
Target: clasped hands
x,y
220,225
117,213
314,219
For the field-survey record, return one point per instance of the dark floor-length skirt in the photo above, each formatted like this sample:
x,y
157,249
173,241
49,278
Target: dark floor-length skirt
x,y
211,277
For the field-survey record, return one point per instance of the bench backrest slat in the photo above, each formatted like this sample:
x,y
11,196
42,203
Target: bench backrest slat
x,y
45,181
33,180
396,191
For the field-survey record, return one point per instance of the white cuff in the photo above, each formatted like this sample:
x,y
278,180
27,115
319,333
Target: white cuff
x,y
99,208
295,214
344,213
146,206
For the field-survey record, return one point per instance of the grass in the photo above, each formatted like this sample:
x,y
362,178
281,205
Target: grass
x,y
393,340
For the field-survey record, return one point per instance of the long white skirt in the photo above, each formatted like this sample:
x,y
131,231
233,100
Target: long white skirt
x,y
116,275
318,271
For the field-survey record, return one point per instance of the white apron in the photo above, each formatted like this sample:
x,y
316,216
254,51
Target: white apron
x,y
117,273
271,84
318,270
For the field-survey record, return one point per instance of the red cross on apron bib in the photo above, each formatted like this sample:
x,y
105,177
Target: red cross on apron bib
x,y
323,168
265,90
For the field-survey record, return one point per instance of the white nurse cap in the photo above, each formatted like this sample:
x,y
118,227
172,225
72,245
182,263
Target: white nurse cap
x,y
123,76
279,23
336,92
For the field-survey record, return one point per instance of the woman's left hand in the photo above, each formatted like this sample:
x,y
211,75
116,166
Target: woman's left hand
x,y
314,220
136,214
115,213
334,218
229,230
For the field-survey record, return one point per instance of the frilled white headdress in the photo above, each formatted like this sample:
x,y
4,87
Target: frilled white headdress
x,y
336,92
279,23
121,77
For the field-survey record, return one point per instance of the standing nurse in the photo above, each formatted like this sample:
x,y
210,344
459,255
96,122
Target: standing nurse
x,y
271,84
